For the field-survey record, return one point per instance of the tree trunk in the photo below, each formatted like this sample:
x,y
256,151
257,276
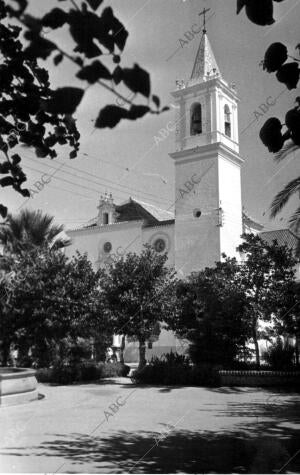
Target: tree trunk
x,y
255,339
142,354
5,353
297,345
122,348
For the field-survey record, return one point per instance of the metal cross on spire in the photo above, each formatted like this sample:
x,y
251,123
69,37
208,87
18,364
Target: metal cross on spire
x,y
205,10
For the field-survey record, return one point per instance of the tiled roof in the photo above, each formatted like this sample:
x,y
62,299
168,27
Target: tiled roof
x,y
133,210
284,237
205,62
167,222
158,213
249,221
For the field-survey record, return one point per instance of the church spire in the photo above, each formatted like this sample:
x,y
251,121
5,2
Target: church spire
x,y
205,65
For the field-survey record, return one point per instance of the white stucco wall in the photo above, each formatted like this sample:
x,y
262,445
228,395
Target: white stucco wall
x,y
165,232
124,237
197,241
231,204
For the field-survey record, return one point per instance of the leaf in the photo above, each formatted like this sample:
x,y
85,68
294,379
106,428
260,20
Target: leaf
x,y
137,80
4,167
39,48
260,13
16,159
93,72
25,193
120,37
110,116
136,112
84,29
34,24
6,181
55,18
58,59
271,136
117,75
275,56
240,5
94,4
64,101
3,211
119,33
156,100
289,74
73,154
292,120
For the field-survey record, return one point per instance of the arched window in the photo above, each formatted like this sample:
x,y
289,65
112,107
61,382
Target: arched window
x,y
105,218
227,119
196,119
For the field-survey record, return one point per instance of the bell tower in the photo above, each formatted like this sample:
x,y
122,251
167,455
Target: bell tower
x,y
106,213
208,208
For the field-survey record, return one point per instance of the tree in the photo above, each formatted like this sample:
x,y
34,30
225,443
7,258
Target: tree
x,y
32,114
29,230
138,291
276,60
50,298
287,321
220,308
265,277
211,314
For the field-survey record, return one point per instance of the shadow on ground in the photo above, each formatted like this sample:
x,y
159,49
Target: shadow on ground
x,y
266,447
176,452
269,445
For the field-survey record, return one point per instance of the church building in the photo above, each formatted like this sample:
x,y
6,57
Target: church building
x,y
209,218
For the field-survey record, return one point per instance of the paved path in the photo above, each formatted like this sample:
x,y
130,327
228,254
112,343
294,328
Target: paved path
x,y
116,427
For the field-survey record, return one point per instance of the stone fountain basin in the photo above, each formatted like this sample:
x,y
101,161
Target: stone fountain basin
x,y
17,386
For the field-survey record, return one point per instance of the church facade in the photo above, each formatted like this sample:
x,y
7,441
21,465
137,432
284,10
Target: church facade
x,y
208,208
208,219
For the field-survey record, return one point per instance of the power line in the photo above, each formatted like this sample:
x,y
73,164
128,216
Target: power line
x,y
62,179
105,179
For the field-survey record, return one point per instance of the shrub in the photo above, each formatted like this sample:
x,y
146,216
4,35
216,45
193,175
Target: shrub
x,y
89,371
58,374
44,375
86,371
174,369
110,370
280,355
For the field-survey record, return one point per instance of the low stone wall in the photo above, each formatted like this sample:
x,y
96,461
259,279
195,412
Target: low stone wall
x,y
17,386
259,378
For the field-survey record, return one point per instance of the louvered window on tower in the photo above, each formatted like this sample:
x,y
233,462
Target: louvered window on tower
x,y
196,119
105,218
227,117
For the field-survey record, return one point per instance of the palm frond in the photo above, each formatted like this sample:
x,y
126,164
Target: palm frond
x,y
294,221
28,230
288,148
283,196
298,249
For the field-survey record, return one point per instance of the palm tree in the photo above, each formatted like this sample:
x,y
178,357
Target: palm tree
x,y
30,230
284,195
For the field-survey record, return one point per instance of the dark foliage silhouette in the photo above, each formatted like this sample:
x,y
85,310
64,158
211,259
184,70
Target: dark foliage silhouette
x,y
32,114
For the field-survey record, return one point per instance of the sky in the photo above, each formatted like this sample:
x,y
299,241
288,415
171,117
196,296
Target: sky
x,y
127,161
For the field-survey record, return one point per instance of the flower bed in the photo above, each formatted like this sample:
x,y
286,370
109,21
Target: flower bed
x,y
259,378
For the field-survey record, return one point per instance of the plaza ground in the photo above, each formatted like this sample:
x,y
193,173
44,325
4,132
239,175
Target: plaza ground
x,y
116,427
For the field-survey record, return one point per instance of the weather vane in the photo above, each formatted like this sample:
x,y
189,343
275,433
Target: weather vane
x,y
205,10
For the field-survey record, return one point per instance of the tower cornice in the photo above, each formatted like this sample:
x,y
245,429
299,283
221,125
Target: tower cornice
x,y
206,151
208,86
